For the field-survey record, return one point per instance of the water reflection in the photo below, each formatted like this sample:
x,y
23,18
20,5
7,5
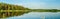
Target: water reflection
x,y
38,15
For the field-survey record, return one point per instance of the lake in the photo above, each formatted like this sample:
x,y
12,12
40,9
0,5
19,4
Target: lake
x,y
38,15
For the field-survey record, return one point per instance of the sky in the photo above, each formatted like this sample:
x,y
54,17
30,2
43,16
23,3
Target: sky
x,y
35,4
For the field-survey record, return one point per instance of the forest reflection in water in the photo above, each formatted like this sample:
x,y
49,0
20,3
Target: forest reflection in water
x,y
6,14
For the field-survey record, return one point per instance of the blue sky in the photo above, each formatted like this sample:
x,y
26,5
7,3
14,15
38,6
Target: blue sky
x,y
36,4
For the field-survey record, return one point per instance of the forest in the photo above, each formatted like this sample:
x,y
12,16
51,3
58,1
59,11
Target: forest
x,y
8,10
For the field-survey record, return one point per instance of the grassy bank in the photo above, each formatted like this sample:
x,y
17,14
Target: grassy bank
x,y
45,10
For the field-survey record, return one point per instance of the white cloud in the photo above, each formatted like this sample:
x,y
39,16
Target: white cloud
x,y
50,0
34,5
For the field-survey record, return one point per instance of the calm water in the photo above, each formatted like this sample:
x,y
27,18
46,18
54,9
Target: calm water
x,y
38,15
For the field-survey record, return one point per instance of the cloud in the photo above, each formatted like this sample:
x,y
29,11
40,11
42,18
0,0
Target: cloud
x,y
50,0
34,5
